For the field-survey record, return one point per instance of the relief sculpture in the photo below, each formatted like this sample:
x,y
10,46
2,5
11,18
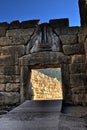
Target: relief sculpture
x,y
44,39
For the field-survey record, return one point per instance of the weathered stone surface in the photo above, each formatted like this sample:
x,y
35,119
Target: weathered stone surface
x,y
12,87
77,68
14,50
81,38
78,58
44,58
9,79
79,99
11,98
29,24
68,39
67,31
79,90
8,60
78,79
5,41
2,87
73,49
65,82
2,32
59,22
2,99
19,32
9,70
45,87
14,25
19,36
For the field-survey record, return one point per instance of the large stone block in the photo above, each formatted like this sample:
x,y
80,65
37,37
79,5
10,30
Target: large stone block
x,y
2,32
79,90
73,49
8,60
9,70
9,79
41,58
30,24
59,22
11,98
78,58
77,68
79,99
68,39
67,31
5,41
14,25
78,79
14,50
2,87
2,99
19,36
12,87
19,32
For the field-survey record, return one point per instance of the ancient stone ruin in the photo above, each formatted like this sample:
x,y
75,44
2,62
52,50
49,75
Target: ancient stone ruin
x,y
29,45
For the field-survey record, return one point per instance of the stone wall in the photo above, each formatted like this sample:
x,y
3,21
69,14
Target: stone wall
x,y
16,65
45,87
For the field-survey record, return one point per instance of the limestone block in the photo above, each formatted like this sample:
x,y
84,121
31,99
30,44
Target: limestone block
x,y
9,79
8,60
11,98
59,22
68,39
19,36
77,68
2,99
12,87
9,70
29,24
73,49
19,32
2,32
44,58
2,87
14,50
78,59
67,31
81,38
79,99
14,25
79,90
5,41
78,79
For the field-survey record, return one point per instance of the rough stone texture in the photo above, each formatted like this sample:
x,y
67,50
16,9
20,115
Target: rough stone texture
x,y
78,59
68,39
73,49
77,68
16,65
59,23
45,87
78,79
2,87
11,98
14,50
15,87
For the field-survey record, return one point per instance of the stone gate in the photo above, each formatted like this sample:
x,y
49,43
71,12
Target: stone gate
x,y
29,44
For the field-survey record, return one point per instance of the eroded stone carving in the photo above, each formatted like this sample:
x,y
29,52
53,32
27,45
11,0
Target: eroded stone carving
x,y
44,39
